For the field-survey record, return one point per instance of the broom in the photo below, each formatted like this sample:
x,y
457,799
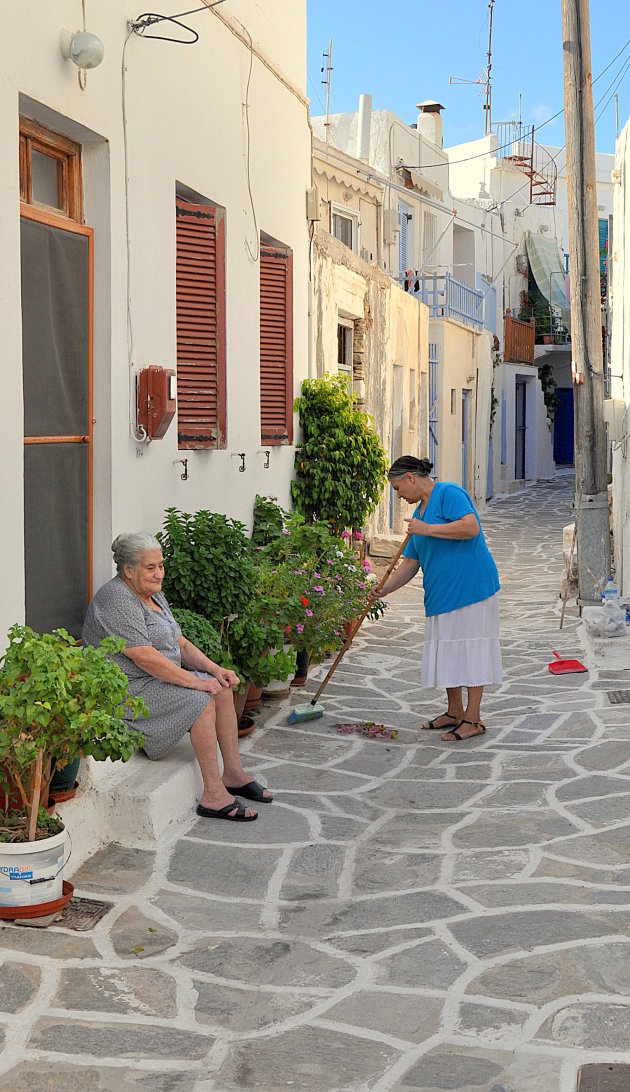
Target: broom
x,y
312,709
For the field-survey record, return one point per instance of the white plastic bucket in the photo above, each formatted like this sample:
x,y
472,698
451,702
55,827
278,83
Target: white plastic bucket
x,y
32,872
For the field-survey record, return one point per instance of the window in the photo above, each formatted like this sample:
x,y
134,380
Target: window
x,y
200,299
50,171
276,345
429,239
345,333
404,250
453,401
345,228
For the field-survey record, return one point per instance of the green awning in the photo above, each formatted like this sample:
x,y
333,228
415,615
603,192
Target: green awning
x,y
547,266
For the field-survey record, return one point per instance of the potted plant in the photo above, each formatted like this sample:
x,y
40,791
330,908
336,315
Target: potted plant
x,y
58,701
340,464
213,569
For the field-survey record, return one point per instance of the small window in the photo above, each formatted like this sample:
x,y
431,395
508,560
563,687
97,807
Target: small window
x,y
344,350
453,401
344,228
50,170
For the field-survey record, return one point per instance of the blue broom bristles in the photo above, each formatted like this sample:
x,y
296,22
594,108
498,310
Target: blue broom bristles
x,y
305,712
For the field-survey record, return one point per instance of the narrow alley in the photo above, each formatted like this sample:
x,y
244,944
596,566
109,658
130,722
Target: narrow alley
x,y
408,914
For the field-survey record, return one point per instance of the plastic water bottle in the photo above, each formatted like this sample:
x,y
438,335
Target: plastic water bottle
x,y
610,593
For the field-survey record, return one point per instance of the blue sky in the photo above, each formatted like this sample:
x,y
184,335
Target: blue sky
x,y
403,53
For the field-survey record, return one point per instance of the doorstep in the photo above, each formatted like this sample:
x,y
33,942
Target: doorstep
x,y
132,802
608,652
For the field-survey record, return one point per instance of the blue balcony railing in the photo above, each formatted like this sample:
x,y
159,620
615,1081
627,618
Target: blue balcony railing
x,y
446,297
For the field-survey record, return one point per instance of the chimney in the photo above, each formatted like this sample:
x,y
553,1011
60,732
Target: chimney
x,y
364,124
430,121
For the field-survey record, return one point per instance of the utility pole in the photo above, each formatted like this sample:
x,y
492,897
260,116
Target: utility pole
x,y
591,494
488,106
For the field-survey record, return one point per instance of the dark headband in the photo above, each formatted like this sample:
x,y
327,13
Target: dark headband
x,y
408,464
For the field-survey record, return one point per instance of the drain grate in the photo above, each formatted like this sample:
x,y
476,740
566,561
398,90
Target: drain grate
x,y
618,697
603,1077
82,914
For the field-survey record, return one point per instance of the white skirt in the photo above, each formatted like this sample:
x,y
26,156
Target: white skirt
x,y
461,648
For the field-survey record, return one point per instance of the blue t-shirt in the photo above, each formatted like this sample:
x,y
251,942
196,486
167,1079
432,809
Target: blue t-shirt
x,y
455,572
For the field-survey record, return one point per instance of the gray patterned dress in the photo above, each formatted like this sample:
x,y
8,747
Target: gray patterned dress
x,y
116,611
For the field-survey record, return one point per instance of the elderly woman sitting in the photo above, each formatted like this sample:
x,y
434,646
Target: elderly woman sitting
x,y
199,701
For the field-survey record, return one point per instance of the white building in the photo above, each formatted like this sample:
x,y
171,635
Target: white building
x,y
440,251
143,221
525,182
619,272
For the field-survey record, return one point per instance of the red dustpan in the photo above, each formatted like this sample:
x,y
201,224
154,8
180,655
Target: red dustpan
x,y
565,667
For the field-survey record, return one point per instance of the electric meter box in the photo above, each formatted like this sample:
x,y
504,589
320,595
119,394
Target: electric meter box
x,y
614,413
156,400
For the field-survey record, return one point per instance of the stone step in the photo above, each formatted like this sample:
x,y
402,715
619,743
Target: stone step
x,y
133,802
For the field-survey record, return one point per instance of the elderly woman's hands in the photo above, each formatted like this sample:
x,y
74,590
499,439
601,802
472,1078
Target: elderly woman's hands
x,y
207,683
226,678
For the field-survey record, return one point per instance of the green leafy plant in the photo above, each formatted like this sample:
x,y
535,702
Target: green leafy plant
x,y
331,583
268,521
59,701
219,590
209,565
340,465
201,632
534,305
548,384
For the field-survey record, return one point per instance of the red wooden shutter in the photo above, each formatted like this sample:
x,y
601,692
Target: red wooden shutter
x,y
200,232
276,345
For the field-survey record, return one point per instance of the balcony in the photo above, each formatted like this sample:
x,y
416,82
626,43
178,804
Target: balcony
x,y
446,297
519,340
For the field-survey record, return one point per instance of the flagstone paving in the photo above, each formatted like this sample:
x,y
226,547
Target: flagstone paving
x,y
408,914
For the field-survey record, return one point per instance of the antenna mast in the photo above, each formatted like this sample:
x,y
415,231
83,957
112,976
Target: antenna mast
x,y
488,106
327,68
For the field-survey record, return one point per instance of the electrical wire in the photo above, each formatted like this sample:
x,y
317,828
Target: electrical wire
x,y
140,436
622,75
480,155
253,256
150,18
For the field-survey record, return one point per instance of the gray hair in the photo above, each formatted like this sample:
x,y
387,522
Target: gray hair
x,y
128,547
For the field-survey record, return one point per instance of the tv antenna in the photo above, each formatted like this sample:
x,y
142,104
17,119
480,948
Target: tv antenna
x,y
327,68
484,79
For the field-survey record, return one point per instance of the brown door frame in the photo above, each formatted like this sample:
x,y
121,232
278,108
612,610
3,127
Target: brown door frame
x,y
31,212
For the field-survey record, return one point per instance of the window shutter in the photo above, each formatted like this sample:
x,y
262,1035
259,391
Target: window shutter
x,y
276,345
402,238
201,401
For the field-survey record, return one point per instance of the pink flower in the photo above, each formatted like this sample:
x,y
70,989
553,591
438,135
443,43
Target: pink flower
x,y
358,536
363,585
345,534
329,561
285,532
366,565
317,576
309,613
318,588
300,627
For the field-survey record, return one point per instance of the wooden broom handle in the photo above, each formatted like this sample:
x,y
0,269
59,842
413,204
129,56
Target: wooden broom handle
x,y
359,621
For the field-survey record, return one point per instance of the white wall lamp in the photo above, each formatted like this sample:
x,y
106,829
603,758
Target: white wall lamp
x,y
84,49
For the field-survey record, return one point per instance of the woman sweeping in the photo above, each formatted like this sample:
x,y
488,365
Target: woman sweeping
x,y
461,586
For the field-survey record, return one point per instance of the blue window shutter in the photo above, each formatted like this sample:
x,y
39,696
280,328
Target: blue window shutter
x,y
402,239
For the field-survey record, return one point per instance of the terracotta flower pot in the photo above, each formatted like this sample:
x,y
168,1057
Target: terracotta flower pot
x,y
254,698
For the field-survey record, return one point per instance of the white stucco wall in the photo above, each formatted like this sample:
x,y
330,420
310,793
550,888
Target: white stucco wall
x,y
395,328
186,124
620,355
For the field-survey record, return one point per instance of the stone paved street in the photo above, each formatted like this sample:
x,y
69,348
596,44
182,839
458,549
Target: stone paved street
x,y
408,914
